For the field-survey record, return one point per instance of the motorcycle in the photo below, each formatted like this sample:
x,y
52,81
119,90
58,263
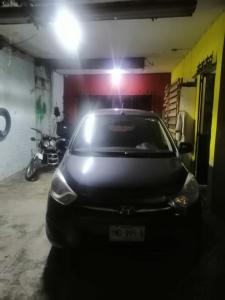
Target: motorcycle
x,y
50,152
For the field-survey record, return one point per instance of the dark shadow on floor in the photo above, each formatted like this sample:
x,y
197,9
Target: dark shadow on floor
x,y
132,273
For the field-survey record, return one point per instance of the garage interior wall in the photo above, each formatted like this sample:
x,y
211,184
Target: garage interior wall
x,y
101,85
211,42
43,96
18,97
57,97
19,94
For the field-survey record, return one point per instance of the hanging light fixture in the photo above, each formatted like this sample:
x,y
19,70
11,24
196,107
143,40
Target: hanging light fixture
x,y
67,29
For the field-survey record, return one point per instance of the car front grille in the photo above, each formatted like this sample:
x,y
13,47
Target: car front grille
x,y
127,210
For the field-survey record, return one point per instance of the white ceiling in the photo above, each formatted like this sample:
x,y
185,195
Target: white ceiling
x,y
124,38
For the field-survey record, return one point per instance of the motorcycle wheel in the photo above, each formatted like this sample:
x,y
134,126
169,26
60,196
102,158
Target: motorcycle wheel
x,y
31,172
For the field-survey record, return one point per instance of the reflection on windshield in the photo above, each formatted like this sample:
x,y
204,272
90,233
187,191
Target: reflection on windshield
x,y
87,165
89,128
119,133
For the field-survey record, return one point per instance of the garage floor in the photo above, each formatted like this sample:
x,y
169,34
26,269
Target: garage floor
x,y
30,269
23,245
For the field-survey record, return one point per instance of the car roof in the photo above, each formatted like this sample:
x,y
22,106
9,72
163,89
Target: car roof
x,y
126,111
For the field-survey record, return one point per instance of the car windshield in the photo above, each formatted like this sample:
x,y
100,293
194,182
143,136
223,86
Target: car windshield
x,y
122,133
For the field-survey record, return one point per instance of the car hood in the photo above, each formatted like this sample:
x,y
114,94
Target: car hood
x,y
123,176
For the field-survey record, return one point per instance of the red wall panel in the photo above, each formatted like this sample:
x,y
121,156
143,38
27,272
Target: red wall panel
x,y
131,84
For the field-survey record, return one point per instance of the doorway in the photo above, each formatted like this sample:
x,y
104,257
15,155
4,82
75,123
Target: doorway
x,y
206,95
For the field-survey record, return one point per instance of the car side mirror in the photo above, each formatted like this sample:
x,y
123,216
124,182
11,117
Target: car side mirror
x,y
185,148
33,139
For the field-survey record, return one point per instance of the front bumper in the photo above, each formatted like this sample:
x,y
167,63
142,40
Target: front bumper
x,y
74,225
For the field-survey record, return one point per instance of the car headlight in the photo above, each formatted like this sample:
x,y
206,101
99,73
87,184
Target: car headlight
x,y
189,193
60,190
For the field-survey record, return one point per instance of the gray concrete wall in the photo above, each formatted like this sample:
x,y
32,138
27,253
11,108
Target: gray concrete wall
x,y
43,100
57,90
57,97
18,97
48,94
26,92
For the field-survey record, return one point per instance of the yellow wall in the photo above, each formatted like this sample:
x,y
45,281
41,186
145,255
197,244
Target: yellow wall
x,y
212,41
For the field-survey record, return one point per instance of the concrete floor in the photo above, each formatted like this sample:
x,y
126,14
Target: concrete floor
x,y
23,244
30,269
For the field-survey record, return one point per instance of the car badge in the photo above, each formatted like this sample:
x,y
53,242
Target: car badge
x,y
127,210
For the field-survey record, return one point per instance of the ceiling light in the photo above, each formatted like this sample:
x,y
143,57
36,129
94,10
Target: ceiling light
x,y
67,29
116,76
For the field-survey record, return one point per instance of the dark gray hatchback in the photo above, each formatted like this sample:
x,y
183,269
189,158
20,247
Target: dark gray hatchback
x,y
122,181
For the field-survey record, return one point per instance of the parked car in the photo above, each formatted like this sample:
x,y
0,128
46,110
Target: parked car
x,y
122,181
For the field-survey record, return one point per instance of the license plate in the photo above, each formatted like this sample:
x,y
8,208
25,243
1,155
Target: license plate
x,y
125,233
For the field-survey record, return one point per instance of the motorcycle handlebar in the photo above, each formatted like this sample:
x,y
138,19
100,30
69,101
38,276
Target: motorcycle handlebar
x,y
46,135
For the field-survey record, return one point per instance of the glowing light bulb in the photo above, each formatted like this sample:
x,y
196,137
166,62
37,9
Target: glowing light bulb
x,y
67,29
116,76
